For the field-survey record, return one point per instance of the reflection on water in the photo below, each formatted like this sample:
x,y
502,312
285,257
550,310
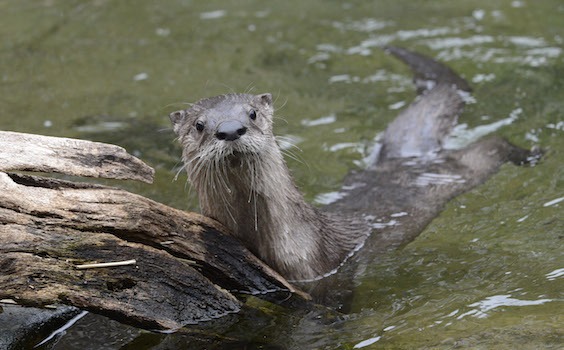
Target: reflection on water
x,y
481,308
551,276
61,331
366,342
553,202
462,136
486,273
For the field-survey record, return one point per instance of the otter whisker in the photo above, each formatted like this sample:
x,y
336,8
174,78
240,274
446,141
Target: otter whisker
x,y
282,119
180,169
295,157
250,88
282,105
253,191
220,175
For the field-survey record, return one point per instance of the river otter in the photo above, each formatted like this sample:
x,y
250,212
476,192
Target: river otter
x,y
238,171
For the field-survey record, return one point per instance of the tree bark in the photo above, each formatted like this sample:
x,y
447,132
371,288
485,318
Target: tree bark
x,y
186,265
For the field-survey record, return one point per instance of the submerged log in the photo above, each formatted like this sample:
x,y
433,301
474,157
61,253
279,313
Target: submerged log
x,y
186,266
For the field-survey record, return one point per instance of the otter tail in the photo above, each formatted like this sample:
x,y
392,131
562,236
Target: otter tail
x,y
419,130
427,71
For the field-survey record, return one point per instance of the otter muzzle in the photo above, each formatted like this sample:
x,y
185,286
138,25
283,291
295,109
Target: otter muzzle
x,y
230,130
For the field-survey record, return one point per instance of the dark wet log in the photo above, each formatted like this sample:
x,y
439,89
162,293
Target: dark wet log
x,y
186,266
18,324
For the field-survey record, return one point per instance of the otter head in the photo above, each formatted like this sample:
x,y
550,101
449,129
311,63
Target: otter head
x,y
222,138
223,125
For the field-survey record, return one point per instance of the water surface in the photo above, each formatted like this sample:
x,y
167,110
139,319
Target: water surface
x,y
487,273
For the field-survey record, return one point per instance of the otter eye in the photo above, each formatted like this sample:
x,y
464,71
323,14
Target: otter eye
x,y
253,114
200,126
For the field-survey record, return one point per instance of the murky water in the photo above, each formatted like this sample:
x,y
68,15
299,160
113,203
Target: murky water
x,y
487,273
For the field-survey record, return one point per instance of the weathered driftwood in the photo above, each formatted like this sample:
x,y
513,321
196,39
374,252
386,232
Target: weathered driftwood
x,y
48,154
186,267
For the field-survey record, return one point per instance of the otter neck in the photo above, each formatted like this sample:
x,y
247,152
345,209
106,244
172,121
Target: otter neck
x,y
260,204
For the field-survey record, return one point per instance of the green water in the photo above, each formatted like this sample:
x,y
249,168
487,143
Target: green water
x,y
487,273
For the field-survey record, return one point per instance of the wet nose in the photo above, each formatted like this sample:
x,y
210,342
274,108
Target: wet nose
x,y
230,130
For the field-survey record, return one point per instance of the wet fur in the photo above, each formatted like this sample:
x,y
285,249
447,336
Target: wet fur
x,y
246,185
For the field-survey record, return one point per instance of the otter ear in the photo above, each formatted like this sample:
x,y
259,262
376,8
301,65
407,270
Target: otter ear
x,y
265,99
177,118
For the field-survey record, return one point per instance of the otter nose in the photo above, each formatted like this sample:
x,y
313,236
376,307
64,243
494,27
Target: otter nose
x,y
230,130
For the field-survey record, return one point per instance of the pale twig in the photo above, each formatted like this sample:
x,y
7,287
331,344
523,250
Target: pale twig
x,y
108,264
8,301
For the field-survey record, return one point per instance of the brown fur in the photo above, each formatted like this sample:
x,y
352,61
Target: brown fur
x,y
246,185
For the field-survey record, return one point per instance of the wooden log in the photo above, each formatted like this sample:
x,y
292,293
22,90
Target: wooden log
x,y
37,153
186,264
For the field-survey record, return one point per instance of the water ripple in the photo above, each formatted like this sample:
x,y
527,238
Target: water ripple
x,y
551,276
482,307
